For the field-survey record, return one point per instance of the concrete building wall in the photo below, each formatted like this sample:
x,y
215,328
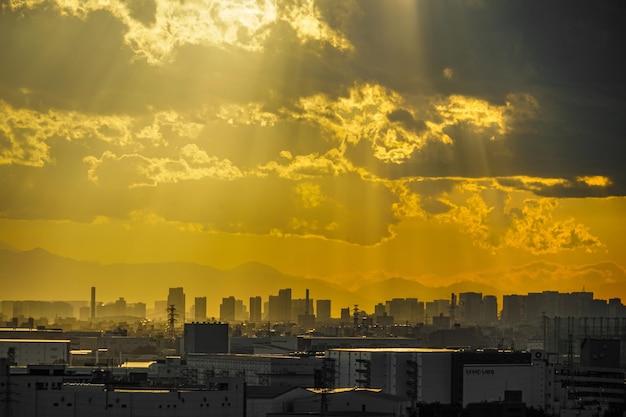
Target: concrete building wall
x,y
434,377
259,370
354,402
50,397
487,383
421,375
206,338
35,352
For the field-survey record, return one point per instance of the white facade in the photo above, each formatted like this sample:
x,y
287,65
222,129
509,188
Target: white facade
x,y
488,382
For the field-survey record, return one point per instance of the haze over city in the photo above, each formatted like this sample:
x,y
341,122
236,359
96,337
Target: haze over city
x,y
155,144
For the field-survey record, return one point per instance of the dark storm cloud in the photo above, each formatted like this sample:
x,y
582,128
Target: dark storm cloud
x,y
65,62
569,55
406,118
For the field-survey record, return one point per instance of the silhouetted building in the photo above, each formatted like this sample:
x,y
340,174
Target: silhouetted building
x,y
470,308
405,310
345,315
280,306
227,309
490,309
436,308
200,309
298,307
255,309
322,310
513,309
160,309
206,338
176,297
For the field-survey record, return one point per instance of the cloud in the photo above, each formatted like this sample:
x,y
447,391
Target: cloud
x,y
155,29
134,170
434,136
326,191
248,114
583,186
495,220
26,133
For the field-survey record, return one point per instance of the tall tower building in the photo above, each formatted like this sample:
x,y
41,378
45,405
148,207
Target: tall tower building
x,y
200,309
280,306
255,309
227,309
323,310
176,297
470,307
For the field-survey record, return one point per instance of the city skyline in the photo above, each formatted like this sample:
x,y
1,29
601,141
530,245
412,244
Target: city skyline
x,y
352,142
464,307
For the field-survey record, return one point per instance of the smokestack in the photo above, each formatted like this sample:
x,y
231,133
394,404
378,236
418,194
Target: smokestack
x,y
93,303
306,308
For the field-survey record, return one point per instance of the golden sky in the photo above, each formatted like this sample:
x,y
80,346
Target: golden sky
x,y
436,140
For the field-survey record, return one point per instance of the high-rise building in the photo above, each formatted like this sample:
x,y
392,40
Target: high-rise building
x,y
280,306
160,310
345,315
255,309
200,309
470,308
513,309
322,310
241,314
120,307
490,309
405,310
299,307
176,297
227,309
302,310
436,308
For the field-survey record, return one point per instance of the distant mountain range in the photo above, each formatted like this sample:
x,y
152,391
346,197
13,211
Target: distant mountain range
x,y
38,274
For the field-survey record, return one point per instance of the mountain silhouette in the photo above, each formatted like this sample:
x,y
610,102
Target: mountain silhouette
x,y
40,275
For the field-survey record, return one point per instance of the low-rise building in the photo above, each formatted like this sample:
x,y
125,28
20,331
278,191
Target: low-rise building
x,y
422,375
258,370
24,352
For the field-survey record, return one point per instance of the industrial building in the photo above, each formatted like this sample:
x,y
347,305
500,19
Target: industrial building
x,y
205,338
423,375
22,352
46,392
258,370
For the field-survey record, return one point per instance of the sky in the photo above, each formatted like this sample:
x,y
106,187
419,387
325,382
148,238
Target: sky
x,y
435,140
